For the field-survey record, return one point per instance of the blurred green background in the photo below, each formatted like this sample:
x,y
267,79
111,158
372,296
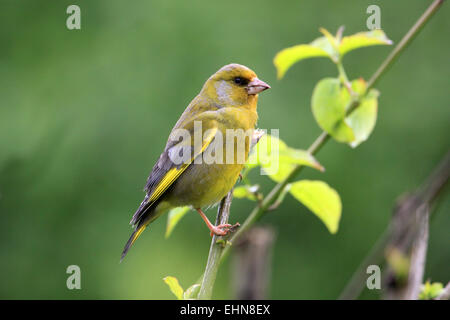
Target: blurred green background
x,y
84,115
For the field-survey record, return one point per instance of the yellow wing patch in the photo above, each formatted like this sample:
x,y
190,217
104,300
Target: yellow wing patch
x,y
138,233
174,173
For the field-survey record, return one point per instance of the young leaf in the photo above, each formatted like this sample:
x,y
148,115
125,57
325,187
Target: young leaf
x,y
174,217
322,200
289,56
328,43
321,47
191,292
363,39
277,159
329,102
301,157
327,46
174,286
243,192
287,160
363,119
399,262
332,40
430,290
359,86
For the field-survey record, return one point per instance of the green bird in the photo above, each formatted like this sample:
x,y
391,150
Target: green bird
x,y
227,101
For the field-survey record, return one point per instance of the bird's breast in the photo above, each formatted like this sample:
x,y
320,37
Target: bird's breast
x,y
203,185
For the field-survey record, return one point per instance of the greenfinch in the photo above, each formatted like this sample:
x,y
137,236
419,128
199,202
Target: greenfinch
x,y
182,176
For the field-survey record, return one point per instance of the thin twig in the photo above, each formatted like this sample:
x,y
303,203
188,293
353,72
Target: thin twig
x,y
428,193
409,240
418,256
217,246
409,36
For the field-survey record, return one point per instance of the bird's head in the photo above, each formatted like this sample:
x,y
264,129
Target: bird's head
x,y
234,85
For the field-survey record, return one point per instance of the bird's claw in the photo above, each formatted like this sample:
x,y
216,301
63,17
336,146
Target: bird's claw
x,y
223,229
217,230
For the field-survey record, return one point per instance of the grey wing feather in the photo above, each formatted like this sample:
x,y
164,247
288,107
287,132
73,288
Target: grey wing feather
x,y
162,166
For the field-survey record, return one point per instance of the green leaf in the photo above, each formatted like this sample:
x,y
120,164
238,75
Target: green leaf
x,y
320,47
265,151
363,119
327,46
332,41
241,192
430,290
174,217
363,39
301,157
277,159
359,86
399,263
287,57
174,286
329,102
191,292
288,159
322,200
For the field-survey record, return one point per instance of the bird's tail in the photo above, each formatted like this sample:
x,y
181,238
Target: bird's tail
x,y
148,215
132,239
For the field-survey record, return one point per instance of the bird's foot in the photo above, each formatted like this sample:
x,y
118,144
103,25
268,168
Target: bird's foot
x,y
223,229
220,230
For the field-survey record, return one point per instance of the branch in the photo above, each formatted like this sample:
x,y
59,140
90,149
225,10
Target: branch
x,y
216,249
418,256
400,224
409,237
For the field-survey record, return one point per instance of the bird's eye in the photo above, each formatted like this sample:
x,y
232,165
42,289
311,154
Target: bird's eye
x,y
240,81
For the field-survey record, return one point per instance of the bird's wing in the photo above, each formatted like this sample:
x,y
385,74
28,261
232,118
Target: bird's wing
x,y
165,172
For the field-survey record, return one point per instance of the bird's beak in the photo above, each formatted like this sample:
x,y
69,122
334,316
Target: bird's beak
x,y
256,86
